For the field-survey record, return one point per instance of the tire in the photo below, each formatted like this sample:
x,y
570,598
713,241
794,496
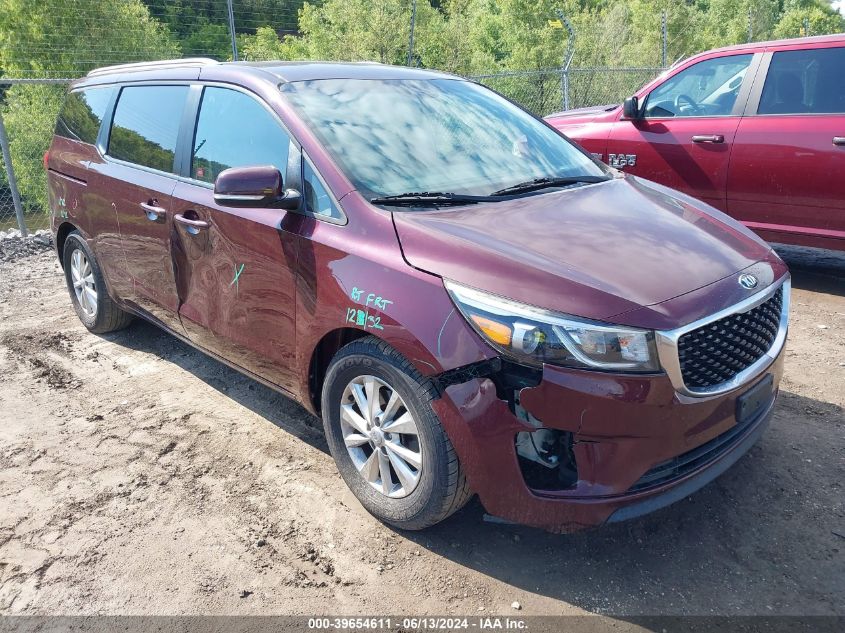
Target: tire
x,y
441,487
97,311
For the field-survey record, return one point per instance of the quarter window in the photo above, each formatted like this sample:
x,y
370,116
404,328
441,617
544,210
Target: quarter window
x,y
805,82
317,198
82,114
235,130
708,88
146,125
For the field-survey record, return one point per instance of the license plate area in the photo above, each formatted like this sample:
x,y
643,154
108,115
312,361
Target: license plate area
x,y
753,401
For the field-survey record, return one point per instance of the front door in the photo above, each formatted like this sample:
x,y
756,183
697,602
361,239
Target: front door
x,y
786,171
236,268
685,136
140,180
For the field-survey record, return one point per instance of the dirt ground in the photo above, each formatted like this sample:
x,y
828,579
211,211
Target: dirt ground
x,y
138,476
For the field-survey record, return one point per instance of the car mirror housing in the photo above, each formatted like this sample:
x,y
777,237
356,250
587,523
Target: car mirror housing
x,y
254,186
631,108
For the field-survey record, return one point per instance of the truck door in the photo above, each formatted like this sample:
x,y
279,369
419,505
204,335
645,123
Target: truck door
x,y
785,178
685,134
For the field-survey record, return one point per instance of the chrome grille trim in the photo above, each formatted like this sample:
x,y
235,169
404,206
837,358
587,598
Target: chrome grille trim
x,y
667,343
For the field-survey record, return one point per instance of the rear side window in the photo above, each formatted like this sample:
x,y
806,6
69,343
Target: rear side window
x,y
235,130
805,82
146,125
82,114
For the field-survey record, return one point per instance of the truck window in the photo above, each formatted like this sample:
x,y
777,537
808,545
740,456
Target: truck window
x,y
708,88
805,82
146,124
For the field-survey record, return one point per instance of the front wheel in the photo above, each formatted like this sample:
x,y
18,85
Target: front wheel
x,y
386,440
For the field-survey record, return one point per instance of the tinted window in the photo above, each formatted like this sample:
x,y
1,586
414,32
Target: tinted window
x,y
708,88
235,130
438,135
82,114
317,198
146,124
808,81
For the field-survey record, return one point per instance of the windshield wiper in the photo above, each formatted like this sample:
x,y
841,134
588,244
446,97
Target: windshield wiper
x,y
432,198
547,183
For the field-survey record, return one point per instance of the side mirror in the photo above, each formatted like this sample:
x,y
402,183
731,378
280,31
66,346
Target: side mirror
x,y
631,108
258,186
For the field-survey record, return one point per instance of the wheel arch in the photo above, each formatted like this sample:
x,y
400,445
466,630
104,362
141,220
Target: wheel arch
x,y
65,229
321,357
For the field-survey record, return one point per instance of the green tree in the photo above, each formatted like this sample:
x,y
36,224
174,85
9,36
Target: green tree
x,y
808,17
63,38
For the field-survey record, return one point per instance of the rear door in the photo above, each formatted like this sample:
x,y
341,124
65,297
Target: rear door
x,y
139,174
786,173
685,137
236,268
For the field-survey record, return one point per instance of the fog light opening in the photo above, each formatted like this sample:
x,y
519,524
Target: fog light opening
x,y
546,459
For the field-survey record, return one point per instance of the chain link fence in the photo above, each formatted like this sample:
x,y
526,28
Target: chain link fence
x,y
544,92
50,42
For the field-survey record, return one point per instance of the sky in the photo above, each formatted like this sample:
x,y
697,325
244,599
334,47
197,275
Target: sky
x,y
839,4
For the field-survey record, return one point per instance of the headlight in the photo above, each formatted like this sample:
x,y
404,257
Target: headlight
x,y
535,336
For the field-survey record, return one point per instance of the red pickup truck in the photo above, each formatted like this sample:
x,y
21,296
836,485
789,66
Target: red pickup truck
x,y
756,130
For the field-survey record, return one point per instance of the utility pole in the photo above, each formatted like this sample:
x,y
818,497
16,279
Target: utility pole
x,y
567,58
806,23
231,17
750,26
10,176
413,23
663,37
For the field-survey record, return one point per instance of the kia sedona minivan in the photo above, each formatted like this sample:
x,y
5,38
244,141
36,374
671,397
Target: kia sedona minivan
x,y
472,303
756,130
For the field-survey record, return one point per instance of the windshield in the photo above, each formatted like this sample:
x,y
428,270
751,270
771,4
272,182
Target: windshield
x,y
393,137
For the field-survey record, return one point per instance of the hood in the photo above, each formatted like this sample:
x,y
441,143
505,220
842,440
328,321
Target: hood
x,y
594,251
582,115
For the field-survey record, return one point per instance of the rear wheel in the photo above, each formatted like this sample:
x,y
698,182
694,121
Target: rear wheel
x,y
87,288
386,439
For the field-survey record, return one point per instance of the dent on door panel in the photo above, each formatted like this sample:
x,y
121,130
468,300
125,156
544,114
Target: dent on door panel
x,y
235,283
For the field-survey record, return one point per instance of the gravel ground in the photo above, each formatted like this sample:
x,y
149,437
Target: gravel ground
x,y
138,476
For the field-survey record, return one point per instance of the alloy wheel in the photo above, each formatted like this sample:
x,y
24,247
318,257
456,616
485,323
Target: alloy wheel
x,y
381,436
84,286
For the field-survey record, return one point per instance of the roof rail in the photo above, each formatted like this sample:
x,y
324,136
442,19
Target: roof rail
x,y
138,66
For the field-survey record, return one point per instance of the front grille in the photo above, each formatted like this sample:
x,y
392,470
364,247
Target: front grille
x,y
714,353
682,464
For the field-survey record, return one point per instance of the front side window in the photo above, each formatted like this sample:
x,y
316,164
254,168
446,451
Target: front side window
x,y
805,82
235,130
392,137
82,114
146,125
708,88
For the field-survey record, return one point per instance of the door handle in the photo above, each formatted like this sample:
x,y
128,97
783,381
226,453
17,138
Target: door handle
x,y
839,140
193,226
708,138
154,213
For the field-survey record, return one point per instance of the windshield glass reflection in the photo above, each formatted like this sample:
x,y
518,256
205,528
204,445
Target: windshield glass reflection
x,y
441,135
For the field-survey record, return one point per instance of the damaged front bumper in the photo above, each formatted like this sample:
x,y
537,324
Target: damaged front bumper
x,y
637,444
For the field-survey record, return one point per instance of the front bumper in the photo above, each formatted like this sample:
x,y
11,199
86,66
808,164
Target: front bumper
x,y
622,426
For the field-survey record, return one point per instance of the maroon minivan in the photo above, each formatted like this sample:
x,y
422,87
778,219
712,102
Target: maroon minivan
x,y
472,303
756,130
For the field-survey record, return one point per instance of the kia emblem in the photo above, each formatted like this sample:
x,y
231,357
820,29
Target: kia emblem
x,y
747,281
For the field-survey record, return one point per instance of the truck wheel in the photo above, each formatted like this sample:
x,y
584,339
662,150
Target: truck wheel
x,y
386,440
87,289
